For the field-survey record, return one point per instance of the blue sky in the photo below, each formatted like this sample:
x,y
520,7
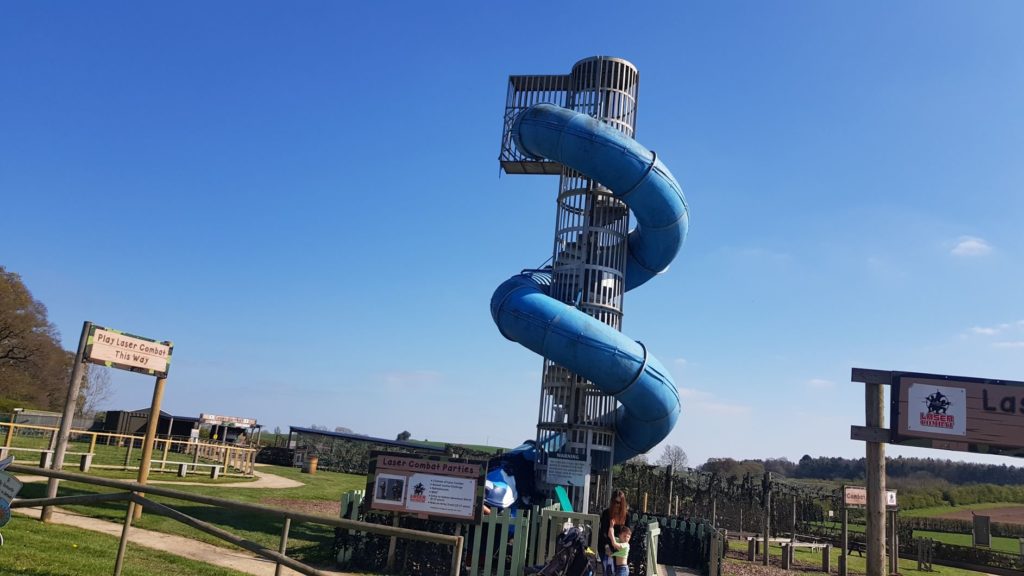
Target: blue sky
x,y
306,199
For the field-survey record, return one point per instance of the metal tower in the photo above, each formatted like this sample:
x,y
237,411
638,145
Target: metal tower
x,y
588,259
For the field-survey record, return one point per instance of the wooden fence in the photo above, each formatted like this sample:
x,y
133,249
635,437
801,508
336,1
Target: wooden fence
x,y
132,494
88,449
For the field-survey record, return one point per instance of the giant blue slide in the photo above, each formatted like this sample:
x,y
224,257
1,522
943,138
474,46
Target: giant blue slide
x,y
524,313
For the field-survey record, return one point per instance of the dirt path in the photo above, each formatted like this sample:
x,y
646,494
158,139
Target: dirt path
x,y
231,558
1009,514
263,480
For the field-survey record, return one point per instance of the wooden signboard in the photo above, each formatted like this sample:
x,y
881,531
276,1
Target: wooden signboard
x,y
957,413
426,486
116,349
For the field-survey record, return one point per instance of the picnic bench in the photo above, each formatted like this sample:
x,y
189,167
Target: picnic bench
x,y
46,456
184,467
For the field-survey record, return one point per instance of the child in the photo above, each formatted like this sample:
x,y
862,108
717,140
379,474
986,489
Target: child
x,y
621,554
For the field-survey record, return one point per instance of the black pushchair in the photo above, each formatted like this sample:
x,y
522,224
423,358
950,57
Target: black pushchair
x,y
571,558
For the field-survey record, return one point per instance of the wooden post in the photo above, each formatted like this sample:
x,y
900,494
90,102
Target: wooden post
x,y
826,559
64,433
767,490
92,443
10,429
794,519
668,485
147,445
394,541
874,407
894,552
163,459
283,548
128,454
845,541
123,544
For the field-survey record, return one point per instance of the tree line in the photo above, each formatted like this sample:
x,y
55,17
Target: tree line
x,y
921,471
34,368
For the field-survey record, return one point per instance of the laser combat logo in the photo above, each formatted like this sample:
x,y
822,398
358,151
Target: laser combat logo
x,y
943,409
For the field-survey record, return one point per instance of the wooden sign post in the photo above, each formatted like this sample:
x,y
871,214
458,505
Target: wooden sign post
x,y
931,411
114,349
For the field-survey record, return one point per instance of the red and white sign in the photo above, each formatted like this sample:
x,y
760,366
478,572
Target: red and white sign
x,y
937,409
857,497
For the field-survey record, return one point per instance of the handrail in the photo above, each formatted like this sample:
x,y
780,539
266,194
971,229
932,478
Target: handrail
x,y
134,487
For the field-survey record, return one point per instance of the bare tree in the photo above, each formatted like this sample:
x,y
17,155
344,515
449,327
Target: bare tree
x,y
673,456
638,460
95,390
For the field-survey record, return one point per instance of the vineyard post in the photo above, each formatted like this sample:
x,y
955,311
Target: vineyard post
x,y
845,537
794,517
668,486
894,544
767,491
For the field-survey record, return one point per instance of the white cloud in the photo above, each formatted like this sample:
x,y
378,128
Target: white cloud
x,y
693,394
1010,344
705,402
820,384
986,331
680,361
969,246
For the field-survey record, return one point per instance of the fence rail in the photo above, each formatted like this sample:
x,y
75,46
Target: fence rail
x,y
116,451
131,494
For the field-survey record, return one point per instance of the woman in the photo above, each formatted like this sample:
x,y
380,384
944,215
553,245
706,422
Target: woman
x,y
615,515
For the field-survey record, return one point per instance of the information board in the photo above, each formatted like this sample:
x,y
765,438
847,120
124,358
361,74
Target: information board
x,y
427,487
567,469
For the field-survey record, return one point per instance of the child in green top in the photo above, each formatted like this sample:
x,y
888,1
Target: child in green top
x,y
621,555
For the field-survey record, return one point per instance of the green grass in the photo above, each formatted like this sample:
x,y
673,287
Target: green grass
x,y
999,544
855,563
307,542
943,510
32,548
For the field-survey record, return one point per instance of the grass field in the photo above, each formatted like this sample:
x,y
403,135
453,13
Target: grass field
x,y
307,542
938,511
856,564
32,548
999,544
